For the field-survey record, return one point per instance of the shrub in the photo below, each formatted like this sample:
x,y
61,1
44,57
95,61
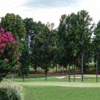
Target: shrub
x,y
10,92
3,95
9,54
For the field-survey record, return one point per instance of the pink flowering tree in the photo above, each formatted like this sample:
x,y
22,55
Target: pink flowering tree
x,y
9,54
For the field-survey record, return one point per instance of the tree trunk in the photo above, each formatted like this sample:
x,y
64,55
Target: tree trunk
x,y
69,73
97,66
82,65
82,53
12,77
63,70
74,72
0,78
56,68
35,70
45,77
23,78
53,71
96,70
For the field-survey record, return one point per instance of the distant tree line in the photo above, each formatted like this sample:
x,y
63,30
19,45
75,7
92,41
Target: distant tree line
x,y
71,44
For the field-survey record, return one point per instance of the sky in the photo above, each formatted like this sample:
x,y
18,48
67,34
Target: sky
x,y
49,10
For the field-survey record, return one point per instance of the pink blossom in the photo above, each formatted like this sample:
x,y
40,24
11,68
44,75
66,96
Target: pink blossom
x,y
2,51
17,42
7,60
8,43
16,47
14,60
7,33
19,54
2,45
5,40
5,36
16,57
15,65
11,39
13,47
2,39
14,52
2,30
20,63
10,53
11,35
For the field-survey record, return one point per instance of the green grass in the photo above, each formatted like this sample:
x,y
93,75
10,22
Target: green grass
x,y
60,89
61,93
87,79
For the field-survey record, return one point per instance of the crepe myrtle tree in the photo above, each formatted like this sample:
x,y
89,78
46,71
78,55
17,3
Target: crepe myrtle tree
x,y
9,54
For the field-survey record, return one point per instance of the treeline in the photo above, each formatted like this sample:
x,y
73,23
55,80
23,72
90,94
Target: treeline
x,y
71,44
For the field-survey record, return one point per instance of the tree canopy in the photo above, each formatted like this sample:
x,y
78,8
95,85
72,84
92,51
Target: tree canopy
x,y
13,24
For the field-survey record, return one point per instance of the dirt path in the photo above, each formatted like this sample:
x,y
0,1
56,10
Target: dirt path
x,y
63,84
61,77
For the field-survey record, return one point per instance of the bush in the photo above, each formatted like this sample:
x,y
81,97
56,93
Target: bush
x,y
3,95
9,92
9,54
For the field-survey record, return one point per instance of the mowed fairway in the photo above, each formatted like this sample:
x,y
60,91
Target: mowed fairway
x,y
60,89
61,93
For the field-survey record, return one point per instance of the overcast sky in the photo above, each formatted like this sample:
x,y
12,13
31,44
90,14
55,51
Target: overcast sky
x,y
49,10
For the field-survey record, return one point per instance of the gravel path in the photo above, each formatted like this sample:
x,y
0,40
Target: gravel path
x,y
61,77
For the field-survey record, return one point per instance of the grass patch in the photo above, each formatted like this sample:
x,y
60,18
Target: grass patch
x,y
60,89
86,78
60,93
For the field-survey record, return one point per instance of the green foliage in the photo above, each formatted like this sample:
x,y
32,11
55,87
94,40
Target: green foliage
x,y
96,45
9,92
14,24
25,61
9,58
3,95
30,26
43,46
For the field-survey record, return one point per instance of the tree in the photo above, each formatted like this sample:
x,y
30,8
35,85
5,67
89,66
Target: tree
x,y
43,44
61,42
24,62
9,54
96,42
74,34
83,32
14,24
66,37
30,26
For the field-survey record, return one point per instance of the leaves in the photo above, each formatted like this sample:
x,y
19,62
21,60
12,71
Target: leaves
x,y
13,23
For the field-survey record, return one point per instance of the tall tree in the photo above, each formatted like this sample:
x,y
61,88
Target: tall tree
x,y
66,39
31,30
83,32
43,45
74,34
14,24
24,62
97,46
61,43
